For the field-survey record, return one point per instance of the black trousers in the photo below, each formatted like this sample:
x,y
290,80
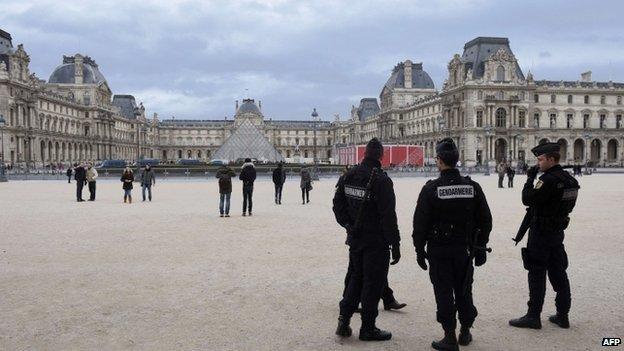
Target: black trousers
x,y
387,295
447,271
500,181
278,192
509,182
368,278
305,194
92,191
247,194
79,186
68,179
551,260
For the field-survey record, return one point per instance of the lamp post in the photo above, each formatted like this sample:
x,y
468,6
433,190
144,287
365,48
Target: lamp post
x,y
488,132
3,177
315,118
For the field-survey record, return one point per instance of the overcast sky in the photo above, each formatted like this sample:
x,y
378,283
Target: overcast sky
x,y
193,59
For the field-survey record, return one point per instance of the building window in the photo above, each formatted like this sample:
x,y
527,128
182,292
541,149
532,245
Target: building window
x,y
586,99
618,121
553,120
501,95
603,120
603,100
553,98
536,97
586,121
521,118
569,99
501,118
619,100
500,73
536,118
479,118
480,95
570,120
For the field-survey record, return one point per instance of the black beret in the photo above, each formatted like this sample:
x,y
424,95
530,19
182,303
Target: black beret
x,y
545,148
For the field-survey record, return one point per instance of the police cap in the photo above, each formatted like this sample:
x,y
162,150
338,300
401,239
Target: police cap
x,y
545,148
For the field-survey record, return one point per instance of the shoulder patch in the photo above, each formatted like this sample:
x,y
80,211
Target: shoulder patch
x,y
455,192
539,184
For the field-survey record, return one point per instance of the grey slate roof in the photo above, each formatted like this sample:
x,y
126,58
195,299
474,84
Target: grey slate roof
x,y
127,105
195,122
573,84
420,78
368,107
6,45
64,74
248,106
480,49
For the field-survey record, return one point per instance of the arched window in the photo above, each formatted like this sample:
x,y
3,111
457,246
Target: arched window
x,y
569,99
479,118
521,118
500,73
501,118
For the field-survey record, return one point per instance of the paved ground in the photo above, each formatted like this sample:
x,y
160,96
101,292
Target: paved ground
x,y
172,275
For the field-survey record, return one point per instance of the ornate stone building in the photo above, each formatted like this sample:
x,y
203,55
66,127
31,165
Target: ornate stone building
x,y
486,104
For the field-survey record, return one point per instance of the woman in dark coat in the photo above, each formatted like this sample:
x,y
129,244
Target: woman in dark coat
x,y
127,177
306,185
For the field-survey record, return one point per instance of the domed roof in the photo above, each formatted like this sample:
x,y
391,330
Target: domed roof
x,y
420,78
248,106
65,73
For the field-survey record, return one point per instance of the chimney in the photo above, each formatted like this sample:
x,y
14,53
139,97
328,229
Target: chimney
x,y
236,104
260,104
78,69
408,73
586,76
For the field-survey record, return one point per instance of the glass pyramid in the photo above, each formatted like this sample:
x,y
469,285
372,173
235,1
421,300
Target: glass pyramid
x,y
247,141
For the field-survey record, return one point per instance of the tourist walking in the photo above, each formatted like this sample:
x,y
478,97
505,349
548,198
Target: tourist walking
x,y
510,176
225,174
501,169
80,175
92,175
279,177
148,179
69,173
306,185
127,177
248,176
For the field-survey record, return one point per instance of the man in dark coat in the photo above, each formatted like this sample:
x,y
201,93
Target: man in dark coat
x,y
225,174
364,204
69,174
452,218
80,175
550,202
279,177
510,176
248,176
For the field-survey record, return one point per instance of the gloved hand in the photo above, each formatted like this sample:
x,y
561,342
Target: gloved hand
x,y
480,258
396,254
532,172
421,259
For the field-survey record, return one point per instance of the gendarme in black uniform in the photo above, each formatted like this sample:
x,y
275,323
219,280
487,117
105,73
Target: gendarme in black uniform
x,y
450,210
369,243
550,202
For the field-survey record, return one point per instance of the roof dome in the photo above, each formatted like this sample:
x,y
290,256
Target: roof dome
x,y
248,106
420,78
65,73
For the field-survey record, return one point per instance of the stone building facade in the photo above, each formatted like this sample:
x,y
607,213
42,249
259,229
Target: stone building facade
x,y
487,105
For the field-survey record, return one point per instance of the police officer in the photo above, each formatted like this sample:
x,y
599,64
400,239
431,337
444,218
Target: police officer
x,y
550,202
364,204
452,217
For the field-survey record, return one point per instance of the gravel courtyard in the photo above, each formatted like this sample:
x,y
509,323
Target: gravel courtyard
x,y
173,275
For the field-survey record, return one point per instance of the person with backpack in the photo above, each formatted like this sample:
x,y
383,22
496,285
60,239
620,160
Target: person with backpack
x,y
225,174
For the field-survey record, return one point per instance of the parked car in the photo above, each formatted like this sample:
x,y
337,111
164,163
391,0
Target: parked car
x,y
189,162
112,164
147,161
218,162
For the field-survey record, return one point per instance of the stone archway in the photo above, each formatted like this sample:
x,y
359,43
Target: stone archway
x,y
579,150
500,149
612,150
596,151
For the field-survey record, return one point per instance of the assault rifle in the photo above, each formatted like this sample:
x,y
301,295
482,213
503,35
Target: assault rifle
x,y
470,268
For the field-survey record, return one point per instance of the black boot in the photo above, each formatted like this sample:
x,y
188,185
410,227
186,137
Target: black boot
x,y
394,305
560,320
343,326
448,343
527,321
374,334
464,336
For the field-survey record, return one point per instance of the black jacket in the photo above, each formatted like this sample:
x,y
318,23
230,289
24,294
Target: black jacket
x,y
550,201
127,179
80,173
279,176
379,221
248,174
225,174
449,210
